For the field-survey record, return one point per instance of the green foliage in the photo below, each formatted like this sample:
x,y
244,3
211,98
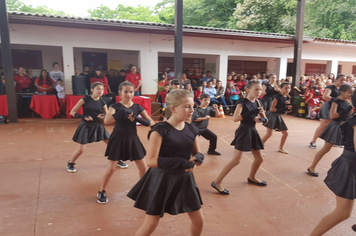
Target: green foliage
x,y
16,5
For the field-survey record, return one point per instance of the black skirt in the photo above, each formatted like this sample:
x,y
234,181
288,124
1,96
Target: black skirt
x,y
275,121
341,178
124,147
332,133
247,138
89,132
324,112
166,191
266,102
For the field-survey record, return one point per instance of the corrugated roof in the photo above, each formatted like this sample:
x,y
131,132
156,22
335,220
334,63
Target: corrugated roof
x,y
186,28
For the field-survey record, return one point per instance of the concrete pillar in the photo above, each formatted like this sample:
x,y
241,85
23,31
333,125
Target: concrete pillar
x,y
331,67
148,69
221,67
68,67
281,67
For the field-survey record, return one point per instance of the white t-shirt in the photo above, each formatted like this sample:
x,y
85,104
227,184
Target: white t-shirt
x,y
56,75
61,93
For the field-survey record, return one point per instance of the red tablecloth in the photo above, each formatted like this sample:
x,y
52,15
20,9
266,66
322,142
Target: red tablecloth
x,y
3,106
45,105
144,102
72,100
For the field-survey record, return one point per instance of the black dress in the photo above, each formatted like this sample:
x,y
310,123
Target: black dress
x,y
341,178
91,131
332,132
171,191
275,120
246,135
268,97
324,112
124,144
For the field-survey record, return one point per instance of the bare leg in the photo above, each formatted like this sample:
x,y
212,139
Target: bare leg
x,y
79,151
283,139
108,173
255,165
325,149
227,168
267,135
149,226
141,166
342,212
323,123
197,218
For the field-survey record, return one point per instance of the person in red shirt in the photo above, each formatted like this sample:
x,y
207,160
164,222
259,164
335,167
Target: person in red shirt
x,y
134,78
22,81
163,94
195,76
197,94
44,83
241,82
99,77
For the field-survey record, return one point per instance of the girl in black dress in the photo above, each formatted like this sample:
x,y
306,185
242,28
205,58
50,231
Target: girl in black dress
x,y
91,129
249,112
339,113
330,94
169,185
269,90
280,105
124,144
341,178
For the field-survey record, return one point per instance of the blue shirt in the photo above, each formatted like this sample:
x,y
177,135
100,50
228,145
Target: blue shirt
x,y
206,79
211,91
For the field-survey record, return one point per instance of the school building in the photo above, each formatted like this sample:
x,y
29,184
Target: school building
x,y
39,40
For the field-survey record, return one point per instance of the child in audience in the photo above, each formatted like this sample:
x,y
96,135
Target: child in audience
x,y
249,111
197,94
200,119
163,94
314,113
280,105
169,186
61,94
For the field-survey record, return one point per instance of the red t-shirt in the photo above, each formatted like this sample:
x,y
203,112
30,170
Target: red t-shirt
x,y
197,94
44,85
240,84
104,81
22,82
163,95
194,77
133,78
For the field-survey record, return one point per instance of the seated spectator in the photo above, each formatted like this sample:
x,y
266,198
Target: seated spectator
x,y
204,84
240,83
220,95
23,82
232,96
56,73
229,79
175,84
185,80
314,113
212,93
61,94
197,94
208,77
44,83
214,82
235,78
99,77
163,95
195,76
188,87
170,74
195,83
134,78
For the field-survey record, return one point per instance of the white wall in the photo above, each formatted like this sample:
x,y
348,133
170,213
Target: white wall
x,y
150,46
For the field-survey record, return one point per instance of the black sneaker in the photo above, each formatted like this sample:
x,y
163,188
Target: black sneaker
x,y
214,153
70,167
313,145
122,164
102,199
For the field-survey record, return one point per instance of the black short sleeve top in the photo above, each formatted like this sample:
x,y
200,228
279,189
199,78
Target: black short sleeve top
x,y
348,133
247,105
123,124
93,107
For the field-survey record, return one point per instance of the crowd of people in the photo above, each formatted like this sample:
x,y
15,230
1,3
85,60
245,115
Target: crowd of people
x,y
167,183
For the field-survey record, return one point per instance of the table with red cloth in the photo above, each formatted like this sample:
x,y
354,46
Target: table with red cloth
x,y
45,105
143,101
3,106
72,100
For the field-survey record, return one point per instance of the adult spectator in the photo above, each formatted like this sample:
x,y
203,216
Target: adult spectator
x,y
44,83
170,73
86,73
194,75
220,95
76,72
240,83
113,81
121,76
134,78
56,73
99,77
211,91
232,96
350,79
208,77
23,82
29,73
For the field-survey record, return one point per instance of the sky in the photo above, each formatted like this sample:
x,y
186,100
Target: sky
x,y
80,7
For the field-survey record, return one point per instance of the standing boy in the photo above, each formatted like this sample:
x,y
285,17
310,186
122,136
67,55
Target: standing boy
x,y
200,119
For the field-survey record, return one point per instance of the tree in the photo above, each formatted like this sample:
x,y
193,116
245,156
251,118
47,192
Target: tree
x,y
16,5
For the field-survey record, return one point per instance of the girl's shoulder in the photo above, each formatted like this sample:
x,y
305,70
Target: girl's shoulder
x,y
161,128
86,98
